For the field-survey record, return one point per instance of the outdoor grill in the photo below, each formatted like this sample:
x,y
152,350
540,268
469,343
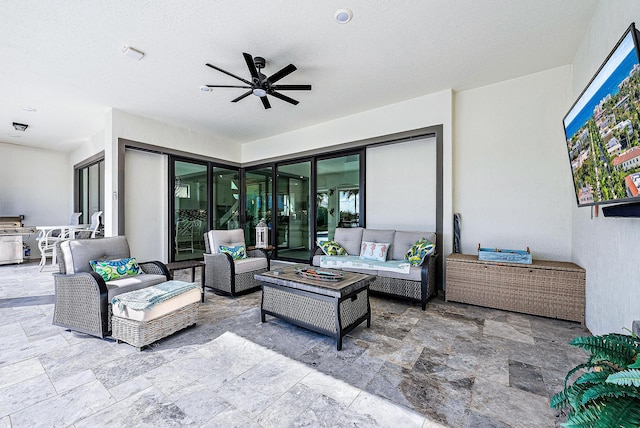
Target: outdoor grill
x,y
11,232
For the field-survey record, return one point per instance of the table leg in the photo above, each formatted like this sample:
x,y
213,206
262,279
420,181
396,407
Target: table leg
x,y
202,270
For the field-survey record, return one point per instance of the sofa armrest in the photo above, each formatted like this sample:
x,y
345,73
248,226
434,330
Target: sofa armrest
x,y
155,268
314,252
82,303
428,278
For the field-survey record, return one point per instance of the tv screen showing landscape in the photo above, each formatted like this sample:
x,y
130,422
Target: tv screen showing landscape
x,y
602,130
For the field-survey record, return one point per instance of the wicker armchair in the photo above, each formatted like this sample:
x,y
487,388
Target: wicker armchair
x,y
83,298
225,275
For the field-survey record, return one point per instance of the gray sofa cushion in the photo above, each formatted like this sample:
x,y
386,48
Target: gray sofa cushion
x,y
78,252
404,240
350,238
383,236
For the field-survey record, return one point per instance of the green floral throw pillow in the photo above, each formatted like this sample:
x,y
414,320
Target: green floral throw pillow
x,y
114,269
236,252
332,248
418,251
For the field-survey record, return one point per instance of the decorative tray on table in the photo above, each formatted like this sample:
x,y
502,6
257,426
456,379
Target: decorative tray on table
x,y
322,275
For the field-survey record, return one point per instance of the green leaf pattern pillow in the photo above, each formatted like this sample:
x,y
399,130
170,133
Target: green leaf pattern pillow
x,y
236,252
332,248
418,251
114,269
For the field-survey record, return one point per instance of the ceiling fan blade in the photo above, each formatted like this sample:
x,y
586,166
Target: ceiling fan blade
x,y
282,73
227,86
246,94
228,74
265,102
284,98
252,66
291,87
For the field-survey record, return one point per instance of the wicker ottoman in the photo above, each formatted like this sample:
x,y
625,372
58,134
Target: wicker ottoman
x,y
141,327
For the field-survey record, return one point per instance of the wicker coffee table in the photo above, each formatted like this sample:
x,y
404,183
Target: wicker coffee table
x,y
333,308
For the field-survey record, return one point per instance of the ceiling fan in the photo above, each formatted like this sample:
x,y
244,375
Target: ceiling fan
x,y
261,85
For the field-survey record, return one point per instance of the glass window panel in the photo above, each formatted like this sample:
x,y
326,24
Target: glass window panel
x,y
258,185
337,197
190,199
292,211
90,190
226,198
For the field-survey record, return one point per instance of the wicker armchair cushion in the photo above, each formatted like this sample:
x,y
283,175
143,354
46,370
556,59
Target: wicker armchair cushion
x,y
350,238
229,238
250,264
77,253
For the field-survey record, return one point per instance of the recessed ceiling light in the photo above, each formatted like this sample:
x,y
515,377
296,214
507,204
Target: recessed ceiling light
x,y
29,109
132,53
14,135
204,88
343,16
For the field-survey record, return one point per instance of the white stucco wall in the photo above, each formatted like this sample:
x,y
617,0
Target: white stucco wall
x,y
34,182
404,199
146,205
512,182
606,247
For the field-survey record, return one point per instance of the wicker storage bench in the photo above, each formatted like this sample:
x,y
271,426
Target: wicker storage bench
x,y
141,327
546,288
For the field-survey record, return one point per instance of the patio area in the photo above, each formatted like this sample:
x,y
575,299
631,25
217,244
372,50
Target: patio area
x,y
451,365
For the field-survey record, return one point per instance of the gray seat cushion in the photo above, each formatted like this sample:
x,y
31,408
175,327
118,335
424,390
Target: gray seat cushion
x,y
78,252
250,264
131,283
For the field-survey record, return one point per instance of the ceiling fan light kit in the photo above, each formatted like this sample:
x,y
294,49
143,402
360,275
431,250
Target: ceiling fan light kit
x,y
261,85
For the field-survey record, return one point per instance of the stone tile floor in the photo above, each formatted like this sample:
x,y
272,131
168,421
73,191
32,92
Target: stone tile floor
x,y
452,365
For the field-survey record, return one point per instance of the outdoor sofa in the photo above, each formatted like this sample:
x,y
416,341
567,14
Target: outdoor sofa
x,y
416,283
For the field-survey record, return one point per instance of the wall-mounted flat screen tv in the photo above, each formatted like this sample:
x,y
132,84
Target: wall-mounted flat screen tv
x,y
602,129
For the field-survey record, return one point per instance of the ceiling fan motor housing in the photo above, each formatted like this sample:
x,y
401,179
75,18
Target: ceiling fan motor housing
x,y
259,61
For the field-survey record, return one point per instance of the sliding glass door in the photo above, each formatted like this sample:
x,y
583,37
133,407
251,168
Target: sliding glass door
x,y
293,221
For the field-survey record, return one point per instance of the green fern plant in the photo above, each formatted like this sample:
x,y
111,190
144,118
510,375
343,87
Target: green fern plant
x,y
607,390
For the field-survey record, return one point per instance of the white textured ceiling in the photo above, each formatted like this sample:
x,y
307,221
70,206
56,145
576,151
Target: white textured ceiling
x,y
65,59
